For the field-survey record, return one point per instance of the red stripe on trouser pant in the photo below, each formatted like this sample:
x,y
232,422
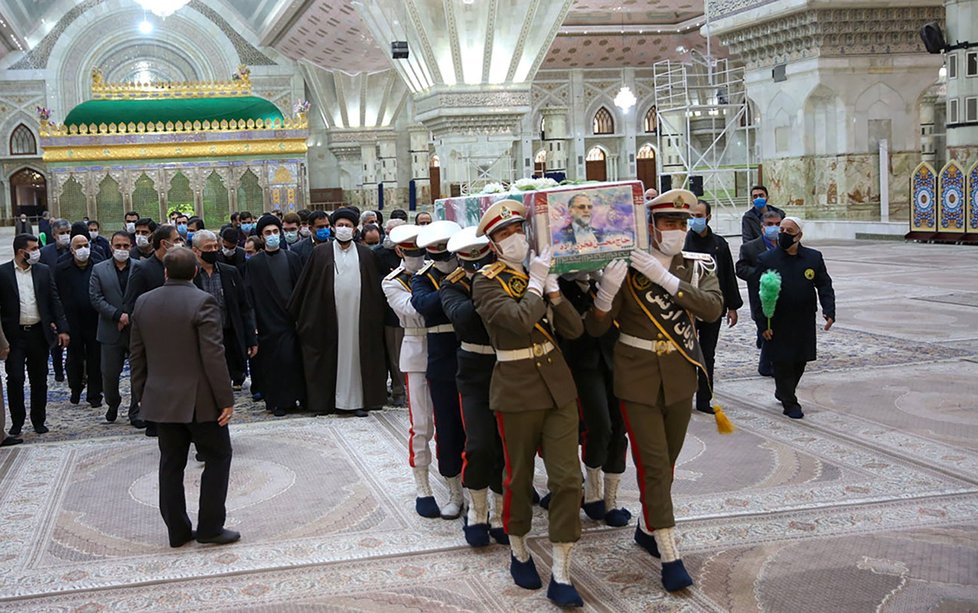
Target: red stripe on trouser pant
x,y
407,394
508,482
639,467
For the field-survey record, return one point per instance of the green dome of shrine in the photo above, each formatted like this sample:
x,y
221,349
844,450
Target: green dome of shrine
x,y
172,109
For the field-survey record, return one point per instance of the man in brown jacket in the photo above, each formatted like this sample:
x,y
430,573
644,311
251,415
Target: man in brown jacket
x,y
656,361
532,394
181,378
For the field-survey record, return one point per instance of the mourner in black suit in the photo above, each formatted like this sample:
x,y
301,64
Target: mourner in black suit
x,y
56,250
176,337
33,321
746,265
73,277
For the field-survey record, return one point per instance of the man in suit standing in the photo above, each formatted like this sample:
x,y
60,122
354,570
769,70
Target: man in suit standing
x,y
73,277
105,291
223,282
33,321
5,441
176,336
52,253
747,265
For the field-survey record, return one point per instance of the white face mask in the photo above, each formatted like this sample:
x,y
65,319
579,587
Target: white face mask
x,y
142,240
413,263
63,239
671,241
228,252
82,253
131,227
344,234
93,233
33,257
447,266
514,248
305,231
120,255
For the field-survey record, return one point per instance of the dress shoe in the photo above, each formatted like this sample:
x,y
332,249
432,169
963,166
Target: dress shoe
x,y
675,577
499,535
361,413
183,541
794,412
545,501
15,431
257,396
647,542
151,431
95,404
75,397
476,535
111,414
10,441
706,409
59,378
137,423
278,412
524,574
42,429
563,595
617,517
222,538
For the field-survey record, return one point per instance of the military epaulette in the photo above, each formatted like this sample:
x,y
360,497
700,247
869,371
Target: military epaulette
x,y
491,271
425,268
693,255
457,275
394,274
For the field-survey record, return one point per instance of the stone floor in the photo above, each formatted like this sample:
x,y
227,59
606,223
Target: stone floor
x,y
869,503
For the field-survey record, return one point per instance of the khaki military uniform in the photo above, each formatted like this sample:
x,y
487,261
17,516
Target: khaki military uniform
x,y
656,382
533,397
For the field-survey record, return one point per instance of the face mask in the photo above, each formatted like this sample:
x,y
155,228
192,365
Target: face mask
x,y
440,257
446,266
760,202
209,256
291,236
248,256
130,227
229,253
272,242
671,241
323,234
247,227
514,248
33,257
120,255
63,240
93,233
413,263
697,224
305,231
182,229
190,238
82,254
771,232
142,240
344,234
785,241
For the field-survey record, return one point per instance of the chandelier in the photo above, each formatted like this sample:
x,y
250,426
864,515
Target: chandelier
x,y
162,8
625,98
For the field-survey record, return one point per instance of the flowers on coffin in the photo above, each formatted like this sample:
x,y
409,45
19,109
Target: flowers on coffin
x,y
530,185
494,188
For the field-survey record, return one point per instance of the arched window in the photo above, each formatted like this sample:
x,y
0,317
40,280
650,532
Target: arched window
x,y
650,121
646,152
604,122
22,141
596,154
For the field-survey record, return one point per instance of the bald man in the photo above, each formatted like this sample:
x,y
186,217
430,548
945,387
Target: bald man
x,y
73,277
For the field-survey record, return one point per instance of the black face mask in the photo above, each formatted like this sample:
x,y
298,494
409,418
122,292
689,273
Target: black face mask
x,y
440,257
209,256
785,241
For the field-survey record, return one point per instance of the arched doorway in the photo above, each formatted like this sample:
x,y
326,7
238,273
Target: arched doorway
x,y
434,177
28,192
596,167
645,167
540,163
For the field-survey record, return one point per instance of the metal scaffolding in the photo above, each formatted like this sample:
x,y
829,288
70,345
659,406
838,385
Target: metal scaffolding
x,y
705,128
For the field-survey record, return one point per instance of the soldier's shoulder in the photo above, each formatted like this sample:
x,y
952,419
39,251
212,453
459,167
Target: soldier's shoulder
x,y
426,267
492,271
693,255
457,275
394,274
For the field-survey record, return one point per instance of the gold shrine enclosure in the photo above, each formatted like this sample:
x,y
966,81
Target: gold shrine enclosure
x,y
208,148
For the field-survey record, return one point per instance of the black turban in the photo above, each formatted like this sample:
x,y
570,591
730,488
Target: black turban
x,y
344,213
268,220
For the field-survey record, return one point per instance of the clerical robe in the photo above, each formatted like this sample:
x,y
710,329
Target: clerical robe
x,y
271,277
338,307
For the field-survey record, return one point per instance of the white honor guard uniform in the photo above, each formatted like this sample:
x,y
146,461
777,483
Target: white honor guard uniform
x,y
413,363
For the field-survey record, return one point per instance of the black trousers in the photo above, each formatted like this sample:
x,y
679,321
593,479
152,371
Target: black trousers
x,y
709,334
786,378
85,359
57,359
603,442
234,358
29,349
449,433
113,359
764,366
213,444
483,462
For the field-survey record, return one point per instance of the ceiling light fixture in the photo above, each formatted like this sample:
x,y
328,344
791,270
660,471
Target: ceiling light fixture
x,y
162,8
145,26
625,99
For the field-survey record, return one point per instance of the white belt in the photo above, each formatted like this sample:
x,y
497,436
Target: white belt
x,y
441,329
659,347
415,331
536,351
476,348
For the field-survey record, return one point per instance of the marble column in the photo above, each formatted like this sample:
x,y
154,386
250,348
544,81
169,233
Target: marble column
x,y
351,170
421,164
387,162
928,148
368,159
555,138
962,135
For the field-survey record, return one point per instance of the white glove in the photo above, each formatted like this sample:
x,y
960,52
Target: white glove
x,y
539,269
611,279
551,285
651,267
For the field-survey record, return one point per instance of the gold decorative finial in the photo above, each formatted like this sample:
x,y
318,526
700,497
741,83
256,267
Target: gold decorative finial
x,y
97,77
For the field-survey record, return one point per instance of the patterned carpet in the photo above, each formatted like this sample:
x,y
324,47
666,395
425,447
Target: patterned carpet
x,y
869,503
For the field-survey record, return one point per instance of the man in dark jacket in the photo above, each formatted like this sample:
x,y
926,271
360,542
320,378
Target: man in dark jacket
x,y
31,331
791,332
750,224
105,291
319,226
97,242
238,319
52,253
702,239
746,265
230,253
73,277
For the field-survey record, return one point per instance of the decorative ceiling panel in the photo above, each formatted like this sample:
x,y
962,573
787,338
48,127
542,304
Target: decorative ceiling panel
x,y
332,36
615,50
633,12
